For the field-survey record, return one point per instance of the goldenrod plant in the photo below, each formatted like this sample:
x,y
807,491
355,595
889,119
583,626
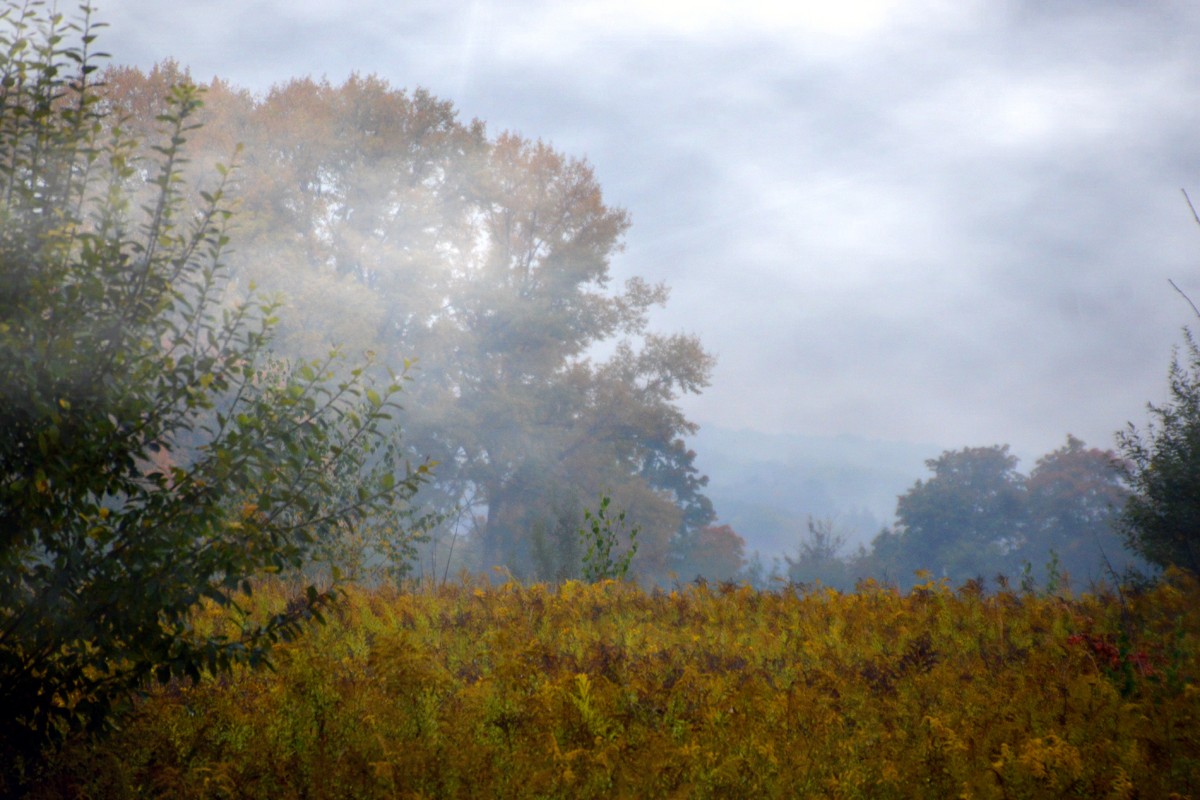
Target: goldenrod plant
x,y
607,690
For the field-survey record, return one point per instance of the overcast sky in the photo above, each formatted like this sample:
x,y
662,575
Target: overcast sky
x,y
941,222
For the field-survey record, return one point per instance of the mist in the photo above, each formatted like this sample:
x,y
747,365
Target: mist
x,y
933,227
924,223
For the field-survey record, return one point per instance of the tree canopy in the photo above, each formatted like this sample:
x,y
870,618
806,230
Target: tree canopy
x,y
401,229
967,517
978,517
1075,496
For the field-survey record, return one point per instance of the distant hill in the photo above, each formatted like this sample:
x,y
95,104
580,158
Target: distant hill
x,y
766,485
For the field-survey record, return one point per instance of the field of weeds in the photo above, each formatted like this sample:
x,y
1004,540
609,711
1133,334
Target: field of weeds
x,y
608,690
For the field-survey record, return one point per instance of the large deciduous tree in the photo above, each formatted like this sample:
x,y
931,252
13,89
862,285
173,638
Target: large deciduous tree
x,y
1075,496
154,454
404,230
967,519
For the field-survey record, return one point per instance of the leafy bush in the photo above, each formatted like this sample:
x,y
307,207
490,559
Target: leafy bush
x,y
152,455
600,535
1161,521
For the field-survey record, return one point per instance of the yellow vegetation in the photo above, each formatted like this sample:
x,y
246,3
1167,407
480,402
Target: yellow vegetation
x,y
608,690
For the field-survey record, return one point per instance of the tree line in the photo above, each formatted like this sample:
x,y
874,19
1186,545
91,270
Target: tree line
x,y
976,517
1082,514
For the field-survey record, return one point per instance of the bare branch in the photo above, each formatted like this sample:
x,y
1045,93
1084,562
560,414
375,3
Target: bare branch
x,y
1195,216
1184,294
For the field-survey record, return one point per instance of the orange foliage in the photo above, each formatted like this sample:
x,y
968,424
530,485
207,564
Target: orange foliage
x,y
716,552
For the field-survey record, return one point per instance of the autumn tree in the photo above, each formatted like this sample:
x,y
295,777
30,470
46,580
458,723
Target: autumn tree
x,y
154,453
714,552
1075,495
401,229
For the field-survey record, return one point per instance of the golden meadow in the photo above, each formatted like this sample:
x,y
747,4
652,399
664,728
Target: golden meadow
x,y
609,690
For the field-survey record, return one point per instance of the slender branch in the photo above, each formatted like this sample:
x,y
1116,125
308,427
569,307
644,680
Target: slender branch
x,y
1195,216
1184,294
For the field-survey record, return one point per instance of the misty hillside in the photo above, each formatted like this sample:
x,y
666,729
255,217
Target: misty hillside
x,y
765,485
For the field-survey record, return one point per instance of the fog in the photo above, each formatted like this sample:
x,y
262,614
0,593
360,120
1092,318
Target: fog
x,y
945,224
